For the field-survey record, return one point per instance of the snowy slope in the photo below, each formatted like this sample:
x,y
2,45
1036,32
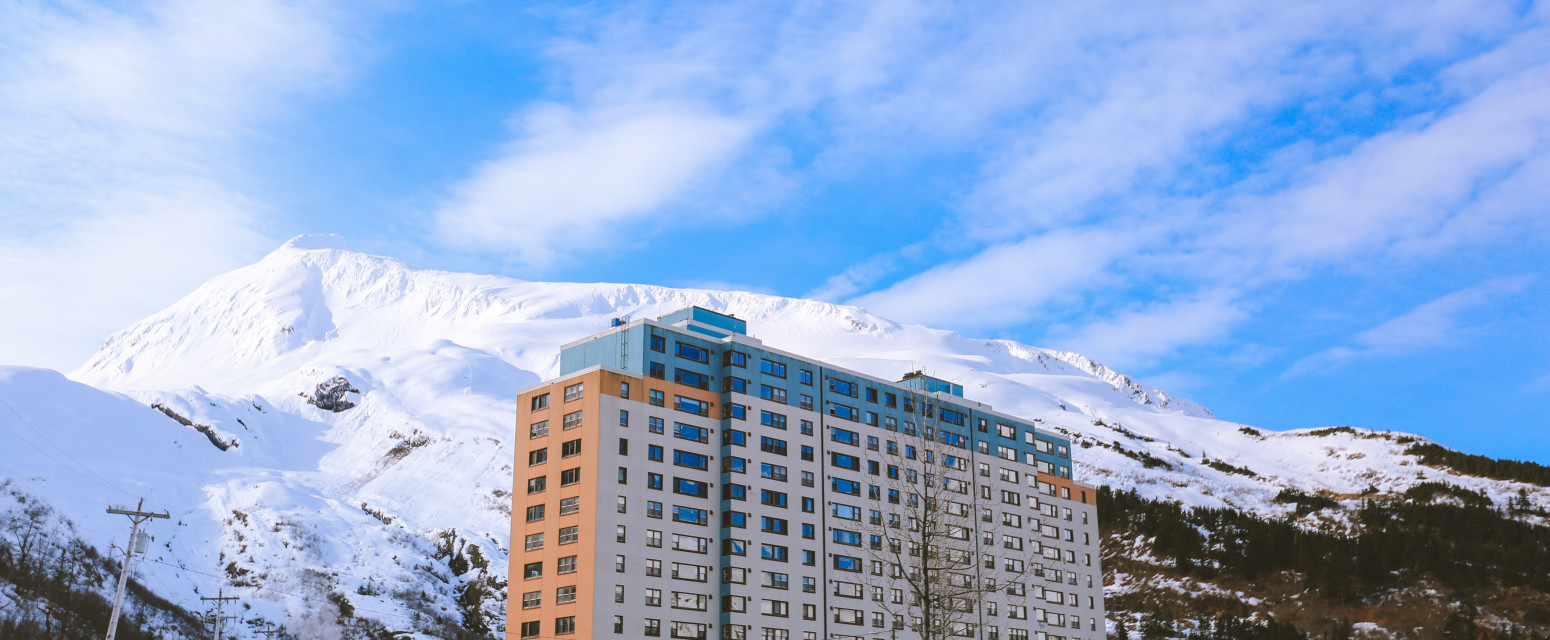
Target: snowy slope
x,y
310,502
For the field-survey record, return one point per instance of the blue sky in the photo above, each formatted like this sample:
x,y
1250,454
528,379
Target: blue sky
x,y
1312,214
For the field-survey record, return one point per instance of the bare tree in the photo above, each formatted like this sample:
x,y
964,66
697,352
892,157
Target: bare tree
x,y
934,532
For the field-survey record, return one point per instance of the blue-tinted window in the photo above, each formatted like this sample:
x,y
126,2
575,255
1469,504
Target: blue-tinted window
x,y
842,536
842,411
953,439
842,387
950,416
654,481
845,461
734,464
772,552
734,411
689,487
772,498
848,487
773,394
847,563
690,405
691,460
773,368
691,432
691,352
735,359
735,385
772,525
736,519
655,424
654,452
771,419
805,377
696,380
772,471
689,515
732,491
658,343
656,370
733,437
844,436
808,531
845,511
772,445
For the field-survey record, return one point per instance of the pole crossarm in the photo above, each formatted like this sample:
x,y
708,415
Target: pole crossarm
x,y
136,516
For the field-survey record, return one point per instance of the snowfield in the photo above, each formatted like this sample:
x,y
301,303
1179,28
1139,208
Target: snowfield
x,y
222,411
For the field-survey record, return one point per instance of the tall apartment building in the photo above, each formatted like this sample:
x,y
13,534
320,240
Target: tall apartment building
x,y
681,479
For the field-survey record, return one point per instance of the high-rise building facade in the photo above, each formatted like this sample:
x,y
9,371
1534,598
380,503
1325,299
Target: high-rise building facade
x,y
680,479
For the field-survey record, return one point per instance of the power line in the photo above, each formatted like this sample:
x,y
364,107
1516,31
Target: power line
x,y
83,467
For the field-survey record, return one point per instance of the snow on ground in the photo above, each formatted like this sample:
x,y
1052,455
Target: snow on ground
x,y
435,359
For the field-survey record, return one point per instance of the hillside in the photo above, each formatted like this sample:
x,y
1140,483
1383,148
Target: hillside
x,y
328,430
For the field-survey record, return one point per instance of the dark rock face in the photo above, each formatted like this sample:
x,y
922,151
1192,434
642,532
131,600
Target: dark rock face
x,y
333,395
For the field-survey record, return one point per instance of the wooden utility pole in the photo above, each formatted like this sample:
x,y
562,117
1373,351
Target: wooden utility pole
x,y
136,516
220,599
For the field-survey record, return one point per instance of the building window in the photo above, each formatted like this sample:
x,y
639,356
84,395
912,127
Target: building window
x,y
657,370
532,599
735,359
530,629
536,485
654,424
573,392
569,535
565,626
691,352
657,399
653,538
571,420
772,420
772,445
538,429
532,570
533,542
535,513
658,343
770,367
566,565
773,394
565,595
570,505
537,456
653,628
540,402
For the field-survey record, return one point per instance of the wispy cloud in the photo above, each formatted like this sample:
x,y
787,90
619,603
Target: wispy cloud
x,y
1138,337
118,191
1004,284
572,182
1428,325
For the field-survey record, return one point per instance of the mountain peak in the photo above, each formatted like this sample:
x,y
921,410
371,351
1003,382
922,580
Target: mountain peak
x,y
316,242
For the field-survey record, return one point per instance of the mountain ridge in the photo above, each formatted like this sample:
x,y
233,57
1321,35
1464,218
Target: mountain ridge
x,y
416,472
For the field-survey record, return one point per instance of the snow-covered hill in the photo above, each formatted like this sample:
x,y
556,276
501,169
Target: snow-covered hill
x,y
228,410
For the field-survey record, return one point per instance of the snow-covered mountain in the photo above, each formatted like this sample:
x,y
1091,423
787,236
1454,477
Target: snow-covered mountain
x,y
330,427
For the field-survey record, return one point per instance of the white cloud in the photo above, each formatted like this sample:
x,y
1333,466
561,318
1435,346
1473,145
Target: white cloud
x,y
1136,338
1004,284
575,181
118,130
1431,324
